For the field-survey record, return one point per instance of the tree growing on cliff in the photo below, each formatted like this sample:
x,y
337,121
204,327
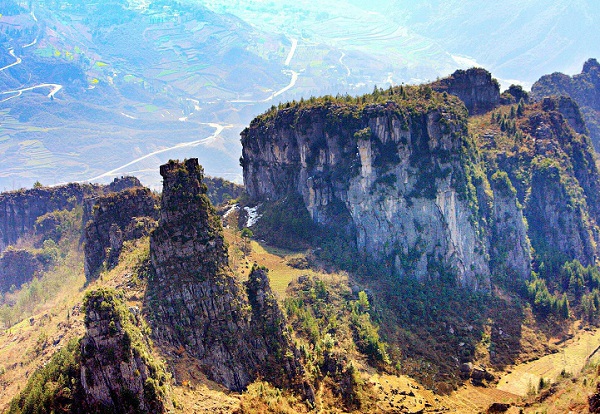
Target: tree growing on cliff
x,y
246,237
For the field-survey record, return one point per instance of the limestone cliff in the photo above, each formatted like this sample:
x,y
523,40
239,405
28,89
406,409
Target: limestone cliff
x,y
400,169
510,248
115,218
20,209
196,302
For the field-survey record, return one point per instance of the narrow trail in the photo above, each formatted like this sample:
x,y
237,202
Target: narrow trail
x,y
218,129
294,78
344,65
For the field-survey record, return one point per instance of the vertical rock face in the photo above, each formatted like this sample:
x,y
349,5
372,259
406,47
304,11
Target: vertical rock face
x,y
511,250
194,298
558,224
475,87
115,218
17,267
20,209
399,171
117,373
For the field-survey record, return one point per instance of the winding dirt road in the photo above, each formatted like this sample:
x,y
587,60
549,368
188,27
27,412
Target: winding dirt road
x,y
218,129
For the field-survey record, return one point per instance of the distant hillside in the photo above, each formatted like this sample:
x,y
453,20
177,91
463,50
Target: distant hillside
x,y
85,89
514,39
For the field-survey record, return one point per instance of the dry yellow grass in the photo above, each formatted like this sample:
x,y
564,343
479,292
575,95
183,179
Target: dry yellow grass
x,y
274,259
571,359
30,343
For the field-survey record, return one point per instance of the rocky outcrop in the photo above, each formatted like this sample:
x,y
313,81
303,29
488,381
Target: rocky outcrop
x,y
569,109
19,210
583,88
268,322
118,373
17,266
475,87
115,218
196,302
123,183
397,171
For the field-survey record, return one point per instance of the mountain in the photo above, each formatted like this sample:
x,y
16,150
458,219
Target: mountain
x,y
434,238
425,248
582,88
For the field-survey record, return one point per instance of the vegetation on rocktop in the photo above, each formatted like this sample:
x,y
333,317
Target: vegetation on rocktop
x,y
220,190
58,386
414,99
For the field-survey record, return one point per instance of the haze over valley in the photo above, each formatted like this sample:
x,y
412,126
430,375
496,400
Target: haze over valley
x,y
90,92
